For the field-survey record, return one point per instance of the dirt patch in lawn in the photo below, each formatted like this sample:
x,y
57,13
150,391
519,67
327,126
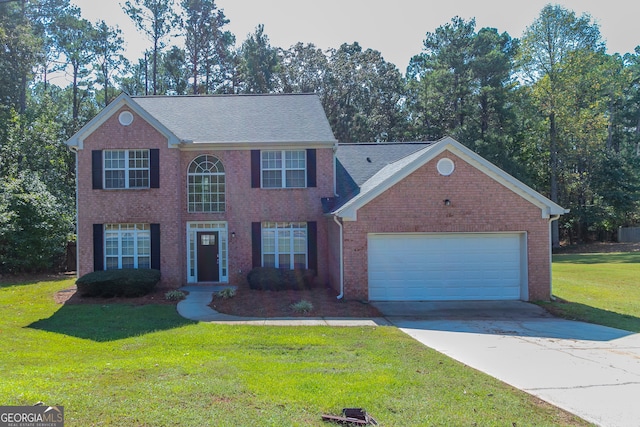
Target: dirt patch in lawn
x,y
324,303
598,247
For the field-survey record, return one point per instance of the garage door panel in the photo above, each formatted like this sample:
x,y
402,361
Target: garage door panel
x,y
445,266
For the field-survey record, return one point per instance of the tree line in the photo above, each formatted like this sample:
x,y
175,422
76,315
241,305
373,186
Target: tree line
x,y
552,108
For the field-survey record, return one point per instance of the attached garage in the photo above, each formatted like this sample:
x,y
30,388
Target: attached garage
x,y
447,266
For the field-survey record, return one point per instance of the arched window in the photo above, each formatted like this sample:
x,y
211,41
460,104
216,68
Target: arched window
x,y
206,185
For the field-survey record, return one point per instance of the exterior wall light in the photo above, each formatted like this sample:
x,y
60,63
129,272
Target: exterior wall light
x,y
447,202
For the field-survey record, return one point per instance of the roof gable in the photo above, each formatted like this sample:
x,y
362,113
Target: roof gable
x,y
273,120
393,172
77,140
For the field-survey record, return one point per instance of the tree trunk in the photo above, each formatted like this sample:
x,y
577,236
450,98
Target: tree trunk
x,y
553,175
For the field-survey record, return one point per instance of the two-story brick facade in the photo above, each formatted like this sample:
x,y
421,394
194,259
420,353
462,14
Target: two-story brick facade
x,y
204,188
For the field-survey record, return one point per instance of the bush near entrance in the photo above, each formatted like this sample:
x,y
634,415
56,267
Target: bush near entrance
x,y
277,279
118,283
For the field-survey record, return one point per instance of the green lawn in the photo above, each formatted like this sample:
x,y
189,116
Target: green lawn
x,y
121,365
599,288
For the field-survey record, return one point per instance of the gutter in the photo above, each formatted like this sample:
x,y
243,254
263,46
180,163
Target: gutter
x,y
335,219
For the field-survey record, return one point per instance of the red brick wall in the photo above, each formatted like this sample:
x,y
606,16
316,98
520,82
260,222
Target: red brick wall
x,y
245,205
478,204
167,205
131,206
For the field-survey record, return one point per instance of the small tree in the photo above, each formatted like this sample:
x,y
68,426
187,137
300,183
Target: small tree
x,y
33,226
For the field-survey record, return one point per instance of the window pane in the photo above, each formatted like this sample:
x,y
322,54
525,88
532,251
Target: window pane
x,y
139,178
269,260
112,263
284,261
114,179
300,261
295,159
272,179
144,262
127,262
268,241
296,179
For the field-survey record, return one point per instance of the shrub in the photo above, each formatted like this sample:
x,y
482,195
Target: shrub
x,y
174,295
302,306
275,279
114,283
227,293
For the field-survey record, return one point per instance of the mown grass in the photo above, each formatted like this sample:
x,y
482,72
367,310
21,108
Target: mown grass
x,y
121,365
602,288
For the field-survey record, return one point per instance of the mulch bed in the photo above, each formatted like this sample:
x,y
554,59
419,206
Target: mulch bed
x,y
71,296
253,303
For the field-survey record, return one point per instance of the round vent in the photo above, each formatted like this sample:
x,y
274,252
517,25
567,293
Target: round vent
x,y
125,118
446,166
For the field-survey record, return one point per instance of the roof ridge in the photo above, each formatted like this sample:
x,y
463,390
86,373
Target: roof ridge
x,y
221,95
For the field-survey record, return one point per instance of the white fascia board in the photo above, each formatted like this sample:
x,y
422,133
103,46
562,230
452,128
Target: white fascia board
x,y
349,210
547,207
253,145
123,99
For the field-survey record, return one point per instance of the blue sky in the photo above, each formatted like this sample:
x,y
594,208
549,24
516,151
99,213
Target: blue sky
x,y
395,28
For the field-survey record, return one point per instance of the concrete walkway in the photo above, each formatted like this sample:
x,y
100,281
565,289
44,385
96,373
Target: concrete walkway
x,y
196,307
590,370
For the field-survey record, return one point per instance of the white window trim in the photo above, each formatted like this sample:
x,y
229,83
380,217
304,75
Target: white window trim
x,y
137,230
276,227
191,205
193,227
126,169
283,169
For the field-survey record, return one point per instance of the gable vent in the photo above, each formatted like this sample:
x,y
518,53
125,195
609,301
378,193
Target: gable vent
x,y
445,166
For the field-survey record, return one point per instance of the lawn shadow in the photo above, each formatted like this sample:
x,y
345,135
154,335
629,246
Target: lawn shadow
x,y
586,313
29,279
598,258
111,322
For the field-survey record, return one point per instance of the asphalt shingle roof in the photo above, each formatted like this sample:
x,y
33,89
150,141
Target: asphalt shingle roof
x,y
358,163
241,118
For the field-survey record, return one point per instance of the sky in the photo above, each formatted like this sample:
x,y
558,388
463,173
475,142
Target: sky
x,y
395,28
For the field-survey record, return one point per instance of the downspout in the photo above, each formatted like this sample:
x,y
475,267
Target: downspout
x,y
74,150
335,219
551,219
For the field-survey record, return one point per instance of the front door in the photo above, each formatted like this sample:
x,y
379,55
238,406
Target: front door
x,y
208,257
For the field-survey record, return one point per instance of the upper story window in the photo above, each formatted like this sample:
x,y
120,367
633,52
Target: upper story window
x,y
206,185
283,169
126,169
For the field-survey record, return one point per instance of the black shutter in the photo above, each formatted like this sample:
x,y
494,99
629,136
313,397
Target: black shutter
x,y
311,167
154,168
312,245
98,247
255,168
96,169
155,246
256,244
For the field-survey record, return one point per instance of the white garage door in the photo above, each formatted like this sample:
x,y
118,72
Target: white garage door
x,y
440,267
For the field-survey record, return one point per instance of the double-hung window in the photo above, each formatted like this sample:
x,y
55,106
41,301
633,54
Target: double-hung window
x,y
127,246
283,169
284,245
126,169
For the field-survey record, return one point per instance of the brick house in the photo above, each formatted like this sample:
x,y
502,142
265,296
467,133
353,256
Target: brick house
x,y
204,188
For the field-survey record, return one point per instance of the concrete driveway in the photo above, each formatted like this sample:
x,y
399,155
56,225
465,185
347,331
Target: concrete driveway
x,y
590,370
